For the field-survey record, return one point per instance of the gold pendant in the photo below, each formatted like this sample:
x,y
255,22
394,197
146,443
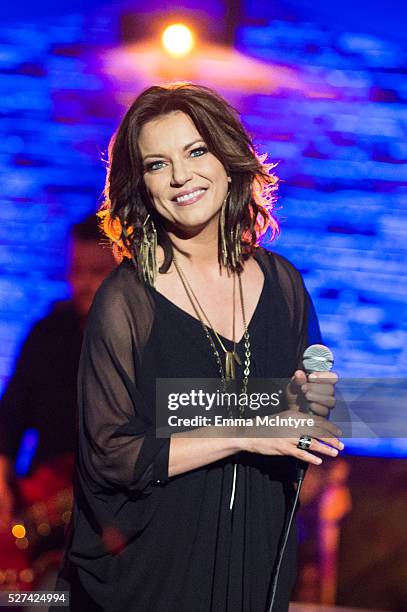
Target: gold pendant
x,y
230,358
230,373
237,358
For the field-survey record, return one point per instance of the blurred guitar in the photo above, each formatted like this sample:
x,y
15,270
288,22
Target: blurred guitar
x,y
35,539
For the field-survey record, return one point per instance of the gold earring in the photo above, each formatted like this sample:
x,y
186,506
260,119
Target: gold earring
x,y
236,251
237,246
148,251
222,223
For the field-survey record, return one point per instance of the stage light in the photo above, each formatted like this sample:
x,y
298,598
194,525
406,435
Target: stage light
x,y
18,531
178,40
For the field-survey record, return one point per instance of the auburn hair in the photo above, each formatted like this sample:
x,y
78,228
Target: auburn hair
x,y
126,202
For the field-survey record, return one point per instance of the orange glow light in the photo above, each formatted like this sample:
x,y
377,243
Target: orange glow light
x,y
27,575
178,40
18,531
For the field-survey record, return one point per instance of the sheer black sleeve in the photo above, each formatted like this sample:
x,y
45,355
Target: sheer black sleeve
x,y
118,449
302,313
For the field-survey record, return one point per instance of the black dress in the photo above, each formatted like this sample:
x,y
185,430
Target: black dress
x,y
142,542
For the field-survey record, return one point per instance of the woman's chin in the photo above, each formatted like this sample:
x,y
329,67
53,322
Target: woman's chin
x,y
190,227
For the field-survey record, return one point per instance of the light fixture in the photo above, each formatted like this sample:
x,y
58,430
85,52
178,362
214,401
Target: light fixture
x,y
178,40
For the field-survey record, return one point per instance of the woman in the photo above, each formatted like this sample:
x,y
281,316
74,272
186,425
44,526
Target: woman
x,y
186,523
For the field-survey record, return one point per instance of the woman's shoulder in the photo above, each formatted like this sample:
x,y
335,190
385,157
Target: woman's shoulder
x,y
122,310
279,265
121,288
116,282
288,280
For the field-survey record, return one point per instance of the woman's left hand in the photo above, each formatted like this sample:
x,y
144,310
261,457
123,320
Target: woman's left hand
x,y
318,390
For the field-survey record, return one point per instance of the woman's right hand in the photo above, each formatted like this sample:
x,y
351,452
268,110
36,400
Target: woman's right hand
x,y
283,440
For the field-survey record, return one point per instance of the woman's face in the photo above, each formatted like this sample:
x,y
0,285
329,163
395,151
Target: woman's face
x,y
186,183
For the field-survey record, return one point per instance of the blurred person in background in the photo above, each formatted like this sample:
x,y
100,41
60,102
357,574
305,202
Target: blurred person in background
x,y
37,410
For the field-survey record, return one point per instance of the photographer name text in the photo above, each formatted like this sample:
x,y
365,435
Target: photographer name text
x,y
258,421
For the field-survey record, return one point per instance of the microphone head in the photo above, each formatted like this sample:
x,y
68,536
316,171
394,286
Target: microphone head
x,y
317,358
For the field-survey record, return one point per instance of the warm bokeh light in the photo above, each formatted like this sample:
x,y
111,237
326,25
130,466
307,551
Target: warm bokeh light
x,y
27,575
22,543
11,576
44,529
178,40
18,531
66,516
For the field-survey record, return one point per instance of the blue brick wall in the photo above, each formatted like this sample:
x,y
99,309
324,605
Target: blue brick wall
x,y
339,139
56,121
341,143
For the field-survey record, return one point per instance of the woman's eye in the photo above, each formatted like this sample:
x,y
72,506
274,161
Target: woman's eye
x,y
156,165
199,151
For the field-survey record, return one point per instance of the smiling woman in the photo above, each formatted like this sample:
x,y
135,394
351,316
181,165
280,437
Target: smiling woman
x,y
184,173
173,141
193,521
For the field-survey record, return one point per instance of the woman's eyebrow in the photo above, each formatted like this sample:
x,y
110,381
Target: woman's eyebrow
x,y
184,149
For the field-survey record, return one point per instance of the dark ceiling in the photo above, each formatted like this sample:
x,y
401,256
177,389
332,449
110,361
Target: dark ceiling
x,y
386,19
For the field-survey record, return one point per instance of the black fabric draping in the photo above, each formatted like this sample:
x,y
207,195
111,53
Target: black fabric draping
x,y
143,542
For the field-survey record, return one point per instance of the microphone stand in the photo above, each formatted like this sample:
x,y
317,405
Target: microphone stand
x,y
316,358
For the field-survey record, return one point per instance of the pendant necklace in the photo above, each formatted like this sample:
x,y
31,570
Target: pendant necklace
x,y
228,372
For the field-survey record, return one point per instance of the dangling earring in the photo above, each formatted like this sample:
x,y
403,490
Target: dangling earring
x,y
236,252
237,246
148,251
222,223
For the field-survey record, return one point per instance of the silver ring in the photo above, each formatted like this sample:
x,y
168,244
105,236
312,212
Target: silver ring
x,y
304,442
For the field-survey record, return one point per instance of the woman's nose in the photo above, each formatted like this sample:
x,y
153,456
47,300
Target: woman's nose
x,y
181,173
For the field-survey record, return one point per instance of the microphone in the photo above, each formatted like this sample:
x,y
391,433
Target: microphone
x,y
316,358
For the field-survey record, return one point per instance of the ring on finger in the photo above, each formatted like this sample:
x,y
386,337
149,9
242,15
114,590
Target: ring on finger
x,y
304,442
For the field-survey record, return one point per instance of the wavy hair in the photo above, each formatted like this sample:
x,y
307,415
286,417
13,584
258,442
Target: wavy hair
x,y
126,202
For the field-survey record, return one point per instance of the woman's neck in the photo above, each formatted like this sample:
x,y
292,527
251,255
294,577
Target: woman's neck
x,y
197,250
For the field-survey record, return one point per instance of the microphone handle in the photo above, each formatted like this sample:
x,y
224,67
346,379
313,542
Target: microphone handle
x,y
302,466
316,358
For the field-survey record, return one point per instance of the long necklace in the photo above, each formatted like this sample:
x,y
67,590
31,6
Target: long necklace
x,y
230,356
